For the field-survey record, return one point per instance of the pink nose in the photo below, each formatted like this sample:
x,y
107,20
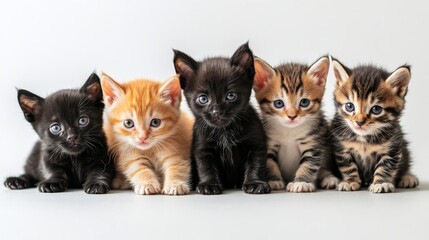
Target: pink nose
x,y
142,139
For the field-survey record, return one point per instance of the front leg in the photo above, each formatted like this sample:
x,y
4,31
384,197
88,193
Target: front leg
x,y
208,173
274,176
385,172
177,172
142,176
349,172
99,179
56,179
256,170
306,175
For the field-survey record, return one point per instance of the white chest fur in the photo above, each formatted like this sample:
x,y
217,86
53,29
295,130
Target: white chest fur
x,y
289,153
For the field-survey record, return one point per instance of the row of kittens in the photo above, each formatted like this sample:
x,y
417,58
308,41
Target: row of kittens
x,y
134,134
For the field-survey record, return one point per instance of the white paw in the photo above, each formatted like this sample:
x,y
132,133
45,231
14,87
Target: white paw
x,y
120,183
176,189
348,186
382,188
408,181
146,189
330,182
300,187
277,185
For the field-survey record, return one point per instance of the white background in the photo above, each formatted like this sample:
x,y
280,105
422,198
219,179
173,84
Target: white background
x,y
49,45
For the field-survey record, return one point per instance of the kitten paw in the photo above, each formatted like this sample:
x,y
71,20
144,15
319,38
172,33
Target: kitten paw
x,y
147,189
408,181
51,187
256,188
17,183
277,185
348,186
209,189
297,187
176,189
381,188
96,188
330,182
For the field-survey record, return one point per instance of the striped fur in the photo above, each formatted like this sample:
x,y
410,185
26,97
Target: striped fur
x,y
297,146
370,149
153,159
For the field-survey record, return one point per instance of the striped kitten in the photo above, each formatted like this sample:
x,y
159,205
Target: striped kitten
x,y
290,98
148,135
369,144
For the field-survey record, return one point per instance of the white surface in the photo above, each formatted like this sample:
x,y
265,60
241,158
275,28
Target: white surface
x,y
49,45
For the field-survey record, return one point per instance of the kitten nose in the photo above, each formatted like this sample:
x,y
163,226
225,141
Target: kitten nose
x,y
71,138
292,117
217,112
360,123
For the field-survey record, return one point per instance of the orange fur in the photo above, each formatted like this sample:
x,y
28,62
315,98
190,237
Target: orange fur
x,y
152,159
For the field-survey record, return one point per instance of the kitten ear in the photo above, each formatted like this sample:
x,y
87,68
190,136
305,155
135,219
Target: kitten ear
x,y
318,71
92,88
243,57
185,66
399,80
341,72
171,92
31,104
264,73
112,90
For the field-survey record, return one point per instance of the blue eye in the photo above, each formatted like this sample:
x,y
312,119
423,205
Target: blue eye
x,y
304,102
155,122
55,128
83,121
279,103
231,97
128,123
376,109
349,107
203,99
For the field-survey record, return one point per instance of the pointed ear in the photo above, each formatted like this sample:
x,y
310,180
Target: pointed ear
x,y
31,105
399,80
264,73
112,90
341,72
171,92
92,88
318,71
243,57
185,66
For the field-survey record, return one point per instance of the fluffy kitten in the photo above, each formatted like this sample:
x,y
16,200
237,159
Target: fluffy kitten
x,y
148,135
370,148
290,98
229,143
72,150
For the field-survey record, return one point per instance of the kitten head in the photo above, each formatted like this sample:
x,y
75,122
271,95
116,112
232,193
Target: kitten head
x,y
290,93
217,89
67,121
141,113
370,98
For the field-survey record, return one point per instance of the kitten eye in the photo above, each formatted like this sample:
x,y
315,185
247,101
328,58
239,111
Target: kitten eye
x,y
279,103
350,107
55,128
304,102
128,123
231,97
203,99
83,121
376,109
155,122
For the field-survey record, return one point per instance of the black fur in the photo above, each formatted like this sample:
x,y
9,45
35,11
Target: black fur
x,y
229,144
75,157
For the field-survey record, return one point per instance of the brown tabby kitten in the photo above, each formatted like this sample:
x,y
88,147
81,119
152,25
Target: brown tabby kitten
x,y
290,98
369,144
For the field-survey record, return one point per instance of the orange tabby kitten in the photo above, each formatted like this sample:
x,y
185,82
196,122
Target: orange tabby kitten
x,y
148,135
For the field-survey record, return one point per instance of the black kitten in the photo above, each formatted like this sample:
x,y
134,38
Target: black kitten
x,y
72,150
229,144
